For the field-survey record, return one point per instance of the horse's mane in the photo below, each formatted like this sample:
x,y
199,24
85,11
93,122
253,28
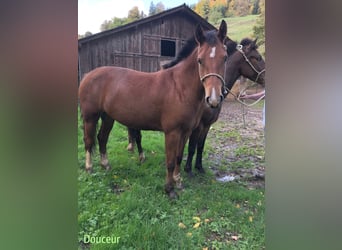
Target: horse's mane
x,y
231,45
190,45
247,41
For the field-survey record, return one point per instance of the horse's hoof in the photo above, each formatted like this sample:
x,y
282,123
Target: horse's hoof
x,y
142,157
107,167
179,185
173,195
201,170
89,170
130,147
190,174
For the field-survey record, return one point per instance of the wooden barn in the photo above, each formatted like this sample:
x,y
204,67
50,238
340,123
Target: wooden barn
x,y
143,45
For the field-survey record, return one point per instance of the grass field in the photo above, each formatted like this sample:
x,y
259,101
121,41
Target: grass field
x,y
241,27
129,202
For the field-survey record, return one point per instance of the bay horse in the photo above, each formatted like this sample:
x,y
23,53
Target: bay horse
x,y
243,60
170,100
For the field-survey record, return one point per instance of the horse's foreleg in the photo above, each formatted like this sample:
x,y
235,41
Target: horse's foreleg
x,y
172,141
200,148
106,127
176,173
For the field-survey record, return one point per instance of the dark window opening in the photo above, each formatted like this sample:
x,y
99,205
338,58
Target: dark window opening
x,y
168,48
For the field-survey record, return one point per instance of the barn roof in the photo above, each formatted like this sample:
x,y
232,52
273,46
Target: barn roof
x,y
183,9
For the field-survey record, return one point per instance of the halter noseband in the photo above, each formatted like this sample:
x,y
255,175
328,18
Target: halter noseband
x,y
225,92
213,74
239,48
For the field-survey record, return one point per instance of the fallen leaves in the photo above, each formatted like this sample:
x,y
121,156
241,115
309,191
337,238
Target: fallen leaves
x,y
198,219
181,225
250,218
197,225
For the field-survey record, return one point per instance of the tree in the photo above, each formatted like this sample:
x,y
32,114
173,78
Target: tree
x,y
88,33
160,7
259,28
152,9
255,9
133,14
202,8
216,13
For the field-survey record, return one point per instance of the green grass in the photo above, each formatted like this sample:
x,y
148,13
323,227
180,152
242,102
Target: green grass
x,y
129,202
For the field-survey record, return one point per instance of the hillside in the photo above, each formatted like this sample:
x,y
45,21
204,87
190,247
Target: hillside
x,y
241,27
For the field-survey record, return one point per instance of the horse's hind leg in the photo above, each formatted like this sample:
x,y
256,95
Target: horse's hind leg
x,y
140,150
89,131
191,150
200,148
134,135
131,139
102,136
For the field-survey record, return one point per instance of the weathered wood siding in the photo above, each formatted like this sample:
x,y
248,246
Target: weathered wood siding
x,y
138,47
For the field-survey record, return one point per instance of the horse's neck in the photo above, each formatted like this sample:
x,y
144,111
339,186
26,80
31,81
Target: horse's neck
x,y
232,74
231,79
188,74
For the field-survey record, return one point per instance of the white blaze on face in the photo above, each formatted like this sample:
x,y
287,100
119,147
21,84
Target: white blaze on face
x,y
212,53
213,95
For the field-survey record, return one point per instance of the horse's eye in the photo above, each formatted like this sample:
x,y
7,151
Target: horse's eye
x,y
199,60
225,58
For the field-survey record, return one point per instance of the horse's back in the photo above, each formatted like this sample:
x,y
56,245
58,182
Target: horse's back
x,y
127,95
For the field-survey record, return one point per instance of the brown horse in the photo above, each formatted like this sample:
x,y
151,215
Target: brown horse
x,y
170,100
243,59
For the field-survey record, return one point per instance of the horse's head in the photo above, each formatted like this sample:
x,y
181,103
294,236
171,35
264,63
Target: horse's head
x,y
250,62
212,56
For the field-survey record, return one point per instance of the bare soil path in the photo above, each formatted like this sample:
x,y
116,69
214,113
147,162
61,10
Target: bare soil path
x,y
237,149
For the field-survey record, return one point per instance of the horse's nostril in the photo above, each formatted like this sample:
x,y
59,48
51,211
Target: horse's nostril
x,y
221,98
208,99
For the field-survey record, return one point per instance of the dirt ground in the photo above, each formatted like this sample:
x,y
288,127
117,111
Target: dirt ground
x,y
238,147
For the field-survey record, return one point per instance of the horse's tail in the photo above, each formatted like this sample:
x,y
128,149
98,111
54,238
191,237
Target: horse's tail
x,y
90,141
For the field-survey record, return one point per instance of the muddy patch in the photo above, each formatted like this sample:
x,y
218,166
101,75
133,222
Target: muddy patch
x,y
237,145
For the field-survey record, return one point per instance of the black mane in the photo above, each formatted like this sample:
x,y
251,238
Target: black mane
x,y
247,41
231,45
190,45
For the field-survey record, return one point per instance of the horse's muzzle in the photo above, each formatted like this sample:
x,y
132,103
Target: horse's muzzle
x,y
214,102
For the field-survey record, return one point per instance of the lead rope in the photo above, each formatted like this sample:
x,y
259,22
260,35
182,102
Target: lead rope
x,y
243,103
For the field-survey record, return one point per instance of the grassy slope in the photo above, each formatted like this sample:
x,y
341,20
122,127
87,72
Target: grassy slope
x,y
241,27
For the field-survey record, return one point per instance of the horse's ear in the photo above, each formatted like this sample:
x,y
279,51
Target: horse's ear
x,y
255,46
199,35
222,31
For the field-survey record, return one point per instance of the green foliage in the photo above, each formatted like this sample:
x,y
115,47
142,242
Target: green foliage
x,y
133,15
259,28
217,13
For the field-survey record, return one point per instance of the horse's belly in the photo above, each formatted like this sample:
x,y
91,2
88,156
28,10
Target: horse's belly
x,y
137,119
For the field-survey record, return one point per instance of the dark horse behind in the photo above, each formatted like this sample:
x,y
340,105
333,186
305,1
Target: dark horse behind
x,y
243,60
170,100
